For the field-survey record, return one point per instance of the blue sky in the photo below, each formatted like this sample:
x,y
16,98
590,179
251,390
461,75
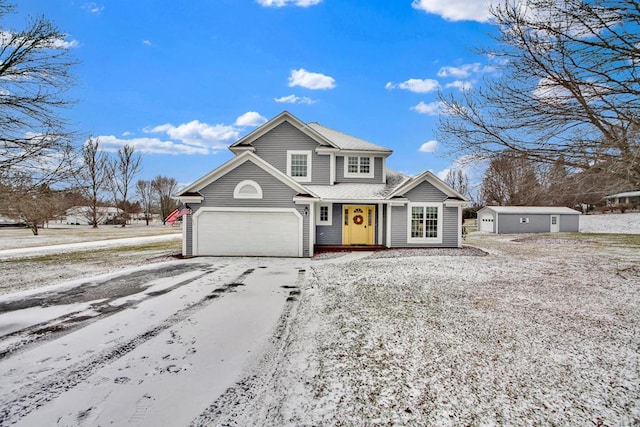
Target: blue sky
x,y
181,80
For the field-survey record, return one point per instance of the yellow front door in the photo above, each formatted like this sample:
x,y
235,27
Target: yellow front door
x,y
358,225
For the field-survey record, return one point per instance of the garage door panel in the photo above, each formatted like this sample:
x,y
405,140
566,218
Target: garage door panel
x,y
248,233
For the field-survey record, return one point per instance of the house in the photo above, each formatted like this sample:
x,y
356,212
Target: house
x,y
528,219
81,215
630,198
294,187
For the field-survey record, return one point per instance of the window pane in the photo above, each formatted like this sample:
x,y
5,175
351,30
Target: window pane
x,y
324,213
299,165
365,167
352,166
431,222
417,221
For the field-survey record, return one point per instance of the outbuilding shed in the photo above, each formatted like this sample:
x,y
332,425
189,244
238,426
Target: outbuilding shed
x,y
528,219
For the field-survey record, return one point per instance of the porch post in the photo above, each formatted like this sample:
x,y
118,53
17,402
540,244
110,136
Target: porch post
x,y
388,242
380,222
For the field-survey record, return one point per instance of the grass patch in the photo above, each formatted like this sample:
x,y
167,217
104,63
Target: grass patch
x,y
93,255
618,240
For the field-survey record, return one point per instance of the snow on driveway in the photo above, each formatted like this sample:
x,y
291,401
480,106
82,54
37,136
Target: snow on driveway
x,y
160,360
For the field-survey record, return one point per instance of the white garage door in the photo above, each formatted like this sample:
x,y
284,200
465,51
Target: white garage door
x,y
247,233
486,222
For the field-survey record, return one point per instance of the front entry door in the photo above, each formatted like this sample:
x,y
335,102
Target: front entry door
x,y
358,225
555,223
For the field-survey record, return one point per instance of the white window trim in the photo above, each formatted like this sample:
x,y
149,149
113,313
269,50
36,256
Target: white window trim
x,y
425,239
348,174
300,178
330,220
238,195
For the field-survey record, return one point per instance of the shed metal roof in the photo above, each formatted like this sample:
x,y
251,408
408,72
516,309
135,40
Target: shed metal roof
x,y
551,210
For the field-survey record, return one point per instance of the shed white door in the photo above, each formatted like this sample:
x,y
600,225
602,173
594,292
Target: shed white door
x,y
486,222
244,232
555,223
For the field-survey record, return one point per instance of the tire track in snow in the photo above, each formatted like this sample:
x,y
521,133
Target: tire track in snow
x,y
238,400
39,393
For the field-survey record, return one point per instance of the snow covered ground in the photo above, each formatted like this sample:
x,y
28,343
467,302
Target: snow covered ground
x,y
516,330
611,223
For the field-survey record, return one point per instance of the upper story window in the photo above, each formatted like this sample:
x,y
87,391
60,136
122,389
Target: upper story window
x,y
358,167
299,165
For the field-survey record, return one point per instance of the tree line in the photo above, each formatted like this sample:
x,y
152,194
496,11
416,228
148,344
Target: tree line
x,y
94,182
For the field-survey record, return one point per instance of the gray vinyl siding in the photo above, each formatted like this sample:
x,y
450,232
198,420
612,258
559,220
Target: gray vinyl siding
x,y
538,223
275,194
331,234
273,146
189,232
424,193
377,172
569,223
399,229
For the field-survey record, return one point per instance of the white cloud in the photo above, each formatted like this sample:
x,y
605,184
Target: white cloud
x,y
93,8
146,42
415,85
430,109
310,80
293,99
456,10
282,3
461,72
9,38
198,134
250,118
111,143
429,147
194,137
462,85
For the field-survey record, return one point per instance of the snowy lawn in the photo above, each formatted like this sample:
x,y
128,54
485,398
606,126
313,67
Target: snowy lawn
x,y
515,330
543,331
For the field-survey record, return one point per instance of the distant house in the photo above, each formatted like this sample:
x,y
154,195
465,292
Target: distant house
x,y
528,219
295,187
631,198
80,215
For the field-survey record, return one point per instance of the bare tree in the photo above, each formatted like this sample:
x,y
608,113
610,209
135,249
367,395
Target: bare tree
x,y
165,188
35,66
511,179
146,195
122,171
459,181
92,178
568,88
31,204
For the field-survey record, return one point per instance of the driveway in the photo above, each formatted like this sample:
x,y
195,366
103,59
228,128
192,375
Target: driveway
x,y
148,346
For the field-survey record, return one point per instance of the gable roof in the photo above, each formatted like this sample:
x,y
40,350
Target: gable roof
x,y
244,143
236,161
532,210
429,177
345,141
324,136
